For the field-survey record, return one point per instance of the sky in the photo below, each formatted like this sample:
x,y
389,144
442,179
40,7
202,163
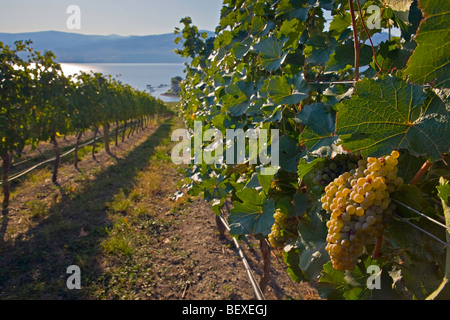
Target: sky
x,y
105,17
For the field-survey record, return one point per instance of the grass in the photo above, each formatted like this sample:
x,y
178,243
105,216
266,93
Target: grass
x,y
36,208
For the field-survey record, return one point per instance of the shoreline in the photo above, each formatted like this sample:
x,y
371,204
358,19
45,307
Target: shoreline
x,y
170,95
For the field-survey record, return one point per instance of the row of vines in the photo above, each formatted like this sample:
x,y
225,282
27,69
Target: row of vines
x,y
39,103
364,127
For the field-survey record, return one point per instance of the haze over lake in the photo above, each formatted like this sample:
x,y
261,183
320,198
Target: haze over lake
x,y
137,75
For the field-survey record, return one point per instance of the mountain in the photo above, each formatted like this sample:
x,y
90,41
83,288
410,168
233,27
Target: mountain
x,y
79,48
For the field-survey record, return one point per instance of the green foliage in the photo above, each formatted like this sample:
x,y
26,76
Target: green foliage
x,y
38,102
389,114
274,65
429,62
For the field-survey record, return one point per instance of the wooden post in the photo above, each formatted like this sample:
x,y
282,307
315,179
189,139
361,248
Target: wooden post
x,y
6,191
220,227
265,250
57,159
76,148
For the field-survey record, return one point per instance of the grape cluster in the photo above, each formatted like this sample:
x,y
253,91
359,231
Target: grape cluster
x,y
359,202
283,230
333,168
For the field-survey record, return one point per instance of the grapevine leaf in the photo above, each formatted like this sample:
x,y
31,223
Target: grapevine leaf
x,y
305,167
271,52
341,22
215,187
344,57
289,153
318,137
414,19
388,114
400,8
252,216
329,281
253,182
409,195
292,29
265,181
237,98
290,9
312,242
241,48
301,204
291,258
319,49
419,270
430,62
282,90
392,54
443,292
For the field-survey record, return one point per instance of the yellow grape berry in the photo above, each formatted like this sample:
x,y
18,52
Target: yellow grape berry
x,y
358,201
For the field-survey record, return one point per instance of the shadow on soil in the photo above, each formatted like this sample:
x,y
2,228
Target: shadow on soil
x,y
34,265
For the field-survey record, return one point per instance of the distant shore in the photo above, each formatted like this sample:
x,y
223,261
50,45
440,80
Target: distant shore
x,y
168,94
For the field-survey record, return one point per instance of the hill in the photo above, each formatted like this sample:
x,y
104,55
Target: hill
x,y
79,48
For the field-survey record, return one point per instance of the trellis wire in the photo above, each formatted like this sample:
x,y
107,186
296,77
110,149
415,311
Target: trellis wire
x,y
422,230
18,175
258,293
422,215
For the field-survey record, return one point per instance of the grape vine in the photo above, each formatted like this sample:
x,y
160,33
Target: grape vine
x,y
333,91
39,103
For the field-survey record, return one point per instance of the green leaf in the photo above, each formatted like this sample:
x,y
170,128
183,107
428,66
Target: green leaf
x,y
443,291
252,216
237,98
290,9
265,181
430,62
271,52
283,90
390,114
319,48
305,167
341,22
400,8
392,54
318,137
291,258
312,242
215,187
289,154
344,57
301,204
242,47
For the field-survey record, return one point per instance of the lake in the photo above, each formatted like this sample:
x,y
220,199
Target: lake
x,y
137,75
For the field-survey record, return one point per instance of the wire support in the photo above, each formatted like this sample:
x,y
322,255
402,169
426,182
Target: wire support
x,y
422,230
258,292
422,215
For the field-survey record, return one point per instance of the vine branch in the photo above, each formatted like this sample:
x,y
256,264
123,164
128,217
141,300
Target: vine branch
x,y
376,250
421,173
371,43
355,40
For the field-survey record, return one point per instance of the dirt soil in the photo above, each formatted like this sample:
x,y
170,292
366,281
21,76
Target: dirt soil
x,y
216,270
